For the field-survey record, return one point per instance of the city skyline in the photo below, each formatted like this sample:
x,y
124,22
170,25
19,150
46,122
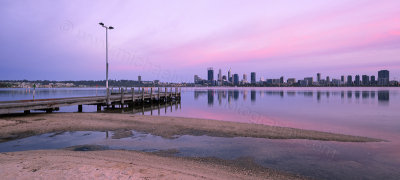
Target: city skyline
x,y
59,40
381,78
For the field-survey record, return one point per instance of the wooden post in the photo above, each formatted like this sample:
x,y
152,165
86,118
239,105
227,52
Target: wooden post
x,y
133,95
143,95
176,93
165,97
99,107
122,97
80,108
151,94
170,92
158,98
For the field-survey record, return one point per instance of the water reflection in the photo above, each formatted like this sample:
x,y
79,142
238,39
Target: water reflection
x,y
229,94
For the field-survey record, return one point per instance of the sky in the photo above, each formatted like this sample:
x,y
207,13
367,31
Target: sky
x,y
173,40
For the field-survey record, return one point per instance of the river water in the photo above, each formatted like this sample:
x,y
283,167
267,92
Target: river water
x,y
372,112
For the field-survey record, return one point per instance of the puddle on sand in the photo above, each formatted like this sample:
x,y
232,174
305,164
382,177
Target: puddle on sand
x,y
318,159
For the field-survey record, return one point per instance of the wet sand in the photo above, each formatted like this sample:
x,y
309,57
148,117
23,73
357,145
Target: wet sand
x,y
120,164
19,126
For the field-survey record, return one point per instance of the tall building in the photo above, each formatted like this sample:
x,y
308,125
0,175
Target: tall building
x,y
328,80
383,78
229,75
342,79
236,79
220,75
244,78
318,77
253,77
357,81
210,72
281,80
365,80
349,80
139,79
373,80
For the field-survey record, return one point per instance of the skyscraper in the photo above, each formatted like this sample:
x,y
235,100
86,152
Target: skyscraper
x,y
236,79
349,80
210,72
244,78
318,77
281,80
342,79
383,78
220,75
365,80
357,80
328,80
373,80
139,78
253,77
229,75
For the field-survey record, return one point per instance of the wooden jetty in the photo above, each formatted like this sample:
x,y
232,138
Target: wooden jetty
x,y
124,97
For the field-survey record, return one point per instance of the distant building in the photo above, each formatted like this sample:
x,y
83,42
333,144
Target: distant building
x,y
357,81
210,75
328,80
291,81
309,81
236,79
383,78
253,77
281,80
139,79
349,80
197,79
245,78
365,80
318,77
342,79
229,75
373,80
336,82
220,76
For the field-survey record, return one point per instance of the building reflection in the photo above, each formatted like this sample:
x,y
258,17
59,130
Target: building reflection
x,y
235,95
210,95
383,96
253,95
227,95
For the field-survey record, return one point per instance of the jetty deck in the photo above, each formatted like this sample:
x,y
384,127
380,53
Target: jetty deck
x,y
124,97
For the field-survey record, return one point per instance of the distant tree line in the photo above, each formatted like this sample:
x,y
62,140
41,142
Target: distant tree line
x,y
91,83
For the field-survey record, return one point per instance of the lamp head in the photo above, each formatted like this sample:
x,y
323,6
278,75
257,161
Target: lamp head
x,y
110,27
101,24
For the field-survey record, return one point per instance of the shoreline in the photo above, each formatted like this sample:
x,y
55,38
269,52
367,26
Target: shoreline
x,y
20,126
92,162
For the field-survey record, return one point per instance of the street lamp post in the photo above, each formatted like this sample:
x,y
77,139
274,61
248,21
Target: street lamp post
x,y
108,91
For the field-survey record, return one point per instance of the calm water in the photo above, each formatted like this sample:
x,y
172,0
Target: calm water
x,y
372,112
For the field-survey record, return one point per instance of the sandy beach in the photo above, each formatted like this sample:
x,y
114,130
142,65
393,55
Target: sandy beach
x,y
121,164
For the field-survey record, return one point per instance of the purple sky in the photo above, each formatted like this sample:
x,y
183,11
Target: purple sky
x,y
173,40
